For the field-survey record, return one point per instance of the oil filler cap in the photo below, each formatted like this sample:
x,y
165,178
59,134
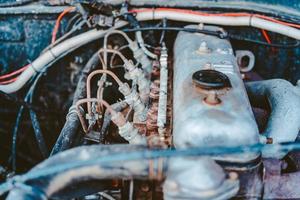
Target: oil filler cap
x,y
209,79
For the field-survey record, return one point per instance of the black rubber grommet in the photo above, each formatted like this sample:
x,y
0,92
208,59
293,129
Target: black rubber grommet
x,y
211,79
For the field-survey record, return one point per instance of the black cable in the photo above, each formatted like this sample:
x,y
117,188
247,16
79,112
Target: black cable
x,y
130,17
163,33
192,30
18,101
15,132
30,92
38,134
219,34
34,121
69,132
14,138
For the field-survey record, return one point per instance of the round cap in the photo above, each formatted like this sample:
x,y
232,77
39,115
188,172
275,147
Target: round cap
x,y
211,79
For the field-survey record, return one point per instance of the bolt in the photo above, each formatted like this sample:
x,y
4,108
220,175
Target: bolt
x,y
203,48
243,76
269,140
233,176
212,99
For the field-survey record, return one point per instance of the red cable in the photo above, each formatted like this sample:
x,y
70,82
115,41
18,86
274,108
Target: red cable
x,y
277,21
57,23
8,81
266,36
14,72
54,33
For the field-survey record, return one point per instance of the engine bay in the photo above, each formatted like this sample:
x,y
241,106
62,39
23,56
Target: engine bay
x,y
149,100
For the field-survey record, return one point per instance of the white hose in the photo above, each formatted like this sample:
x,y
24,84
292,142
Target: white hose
x,y
89,36
275,27
251,21
193,18
50,55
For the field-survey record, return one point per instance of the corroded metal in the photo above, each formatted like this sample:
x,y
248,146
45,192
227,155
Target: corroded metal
x,y
150,127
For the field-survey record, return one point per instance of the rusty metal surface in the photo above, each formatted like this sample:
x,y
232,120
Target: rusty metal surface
x,y
150,127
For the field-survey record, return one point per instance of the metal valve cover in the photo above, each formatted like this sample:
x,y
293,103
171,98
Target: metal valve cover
x,y
198,123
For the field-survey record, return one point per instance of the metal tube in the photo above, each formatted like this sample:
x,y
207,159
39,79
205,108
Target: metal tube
x,y
69,171
284,100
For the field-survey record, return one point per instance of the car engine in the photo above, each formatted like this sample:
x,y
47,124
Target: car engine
x,y
149,99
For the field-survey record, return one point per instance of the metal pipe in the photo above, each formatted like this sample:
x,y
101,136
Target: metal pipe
x,y
96,162
88,100
69,131
88,83
284,100
106,39
119,106
138,53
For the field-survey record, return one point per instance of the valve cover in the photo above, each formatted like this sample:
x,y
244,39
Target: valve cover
x,y
211,107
